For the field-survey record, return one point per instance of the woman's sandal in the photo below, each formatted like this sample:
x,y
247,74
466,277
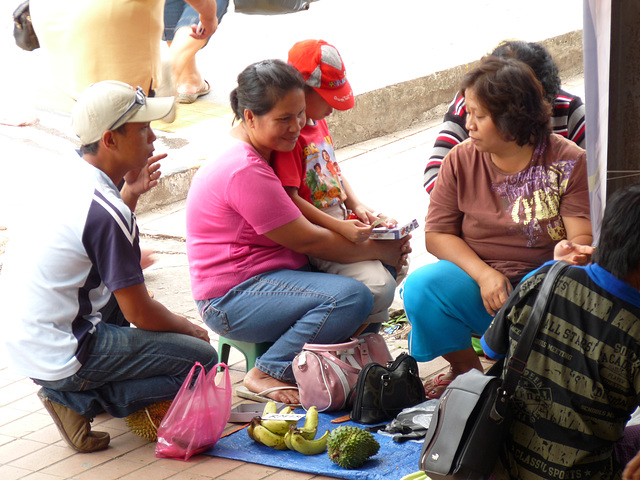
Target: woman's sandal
x,y
192,97
437,382
244,392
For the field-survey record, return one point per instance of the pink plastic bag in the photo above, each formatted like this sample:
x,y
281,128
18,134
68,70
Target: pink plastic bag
x,y
197,416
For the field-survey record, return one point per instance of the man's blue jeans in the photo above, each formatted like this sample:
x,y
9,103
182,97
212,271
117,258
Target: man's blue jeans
x,y
178,14
289,308
129,369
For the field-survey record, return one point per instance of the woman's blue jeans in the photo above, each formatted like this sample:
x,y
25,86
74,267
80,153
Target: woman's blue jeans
x,y
129,369
289,308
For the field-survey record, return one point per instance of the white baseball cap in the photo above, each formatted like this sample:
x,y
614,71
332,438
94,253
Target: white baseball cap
x,y
107,105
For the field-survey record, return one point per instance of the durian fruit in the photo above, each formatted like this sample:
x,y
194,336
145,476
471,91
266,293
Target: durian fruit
x,y
350,447
145,422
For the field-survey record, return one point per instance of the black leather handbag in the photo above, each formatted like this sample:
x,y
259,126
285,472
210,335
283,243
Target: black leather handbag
x,y
23,28
382,392
471,420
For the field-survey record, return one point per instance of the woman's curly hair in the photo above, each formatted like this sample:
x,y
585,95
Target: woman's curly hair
x,y
538,58
509,90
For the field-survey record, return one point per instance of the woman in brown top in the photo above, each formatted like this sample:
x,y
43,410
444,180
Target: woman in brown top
x,y
504,199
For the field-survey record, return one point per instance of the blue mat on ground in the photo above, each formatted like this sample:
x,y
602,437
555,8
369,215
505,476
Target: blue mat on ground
x,y
393,461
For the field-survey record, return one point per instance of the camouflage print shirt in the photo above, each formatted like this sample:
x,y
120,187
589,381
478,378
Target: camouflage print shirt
x,y
582,379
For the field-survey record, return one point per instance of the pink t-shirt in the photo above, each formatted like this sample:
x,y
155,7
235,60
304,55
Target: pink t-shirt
x,y
231,203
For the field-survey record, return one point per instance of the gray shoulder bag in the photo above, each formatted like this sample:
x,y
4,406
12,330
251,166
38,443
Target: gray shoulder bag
x,y
471,419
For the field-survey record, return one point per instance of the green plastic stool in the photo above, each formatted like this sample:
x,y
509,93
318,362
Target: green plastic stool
x,y
477,346
251,351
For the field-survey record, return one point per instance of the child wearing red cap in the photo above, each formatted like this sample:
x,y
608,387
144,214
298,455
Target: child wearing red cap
x,y
312,177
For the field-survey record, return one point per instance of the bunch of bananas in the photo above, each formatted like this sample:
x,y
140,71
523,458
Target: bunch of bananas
x,y
284,434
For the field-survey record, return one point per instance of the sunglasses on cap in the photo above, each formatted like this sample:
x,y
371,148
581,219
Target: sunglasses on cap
x,y
140,100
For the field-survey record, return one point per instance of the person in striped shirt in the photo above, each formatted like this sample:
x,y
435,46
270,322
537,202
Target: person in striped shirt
x,y
567,119
582,379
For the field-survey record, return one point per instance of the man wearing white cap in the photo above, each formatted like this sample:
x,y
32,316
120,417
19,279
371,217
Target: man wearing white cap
x,y
70,286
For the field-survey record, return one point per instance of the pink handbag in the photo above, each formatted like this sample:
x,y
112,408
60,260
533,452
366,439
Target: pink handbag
x,y
197,416
326,374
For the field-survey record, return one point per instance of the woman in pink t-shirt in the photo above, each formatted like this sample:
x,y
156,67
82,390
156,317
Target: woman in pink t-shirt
x,y
248,243
504,199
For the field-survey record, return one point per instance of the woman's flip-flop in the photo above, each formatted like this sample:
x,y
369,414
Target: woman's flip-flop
x,y
192,97
437,382
244,392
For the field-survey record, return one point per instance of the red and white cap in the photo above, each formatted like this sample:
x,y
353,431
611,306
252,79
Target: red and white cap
x,y
323,69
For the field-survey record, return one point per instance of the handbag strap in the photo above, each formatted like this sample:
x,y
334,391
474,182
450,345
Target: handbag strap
x,y
364,350
372,348
348,347
331,358
518,361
